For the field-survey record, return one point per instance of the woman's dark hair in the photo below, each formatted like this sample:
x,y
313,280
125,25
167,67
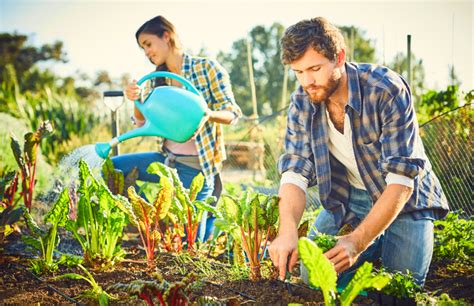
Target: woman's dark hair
x,y
158,26
316,33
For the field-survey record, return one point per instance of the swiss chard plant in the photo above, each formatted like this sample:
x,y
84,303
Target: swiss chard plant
x,y
146,216
47,241
26,159
96,293
159,292
321,274
185,206
115,180
99,222
251,221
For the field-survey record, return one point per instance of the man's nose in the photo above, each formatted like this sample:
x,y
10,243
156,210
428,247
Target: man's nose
x,y
307,79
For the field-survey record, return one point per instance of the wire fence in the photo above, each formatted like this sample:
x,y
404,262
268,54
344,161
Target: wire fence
x,y
253,157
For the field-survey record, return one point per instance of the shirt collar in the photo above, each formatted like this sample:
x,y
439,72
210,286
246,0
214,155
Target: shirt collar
x,y
354,94
186,66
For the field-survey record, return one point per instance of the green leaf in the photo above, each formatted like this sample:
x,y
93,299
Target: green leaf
x,y
58,214
196,186
18,153
363,279
321,272
31,147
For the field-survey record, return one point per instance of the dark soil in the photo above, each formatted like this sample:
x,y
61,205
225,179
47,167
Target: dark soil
x,y
19,286
457,281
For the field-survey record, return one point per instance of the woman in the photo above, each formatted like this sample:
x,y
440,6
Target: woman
x,y
205,152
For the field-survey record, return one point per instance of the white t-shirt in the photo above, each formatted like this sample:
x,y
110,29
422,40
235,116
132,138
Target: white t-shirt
x,y
340,146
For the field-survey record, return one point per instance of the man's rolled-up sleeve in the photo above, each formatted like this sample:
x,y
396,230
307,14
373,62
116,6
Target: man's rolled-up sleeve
x,y
402,150
298,156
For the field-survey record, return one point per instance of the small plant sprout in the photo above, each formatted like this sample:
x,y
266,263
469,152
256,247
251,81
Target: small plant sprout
x,y
46,242
96,293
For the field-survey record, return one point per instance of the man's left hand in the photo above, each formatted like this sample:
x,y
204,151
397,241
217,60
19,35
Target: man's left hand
x,y
345,253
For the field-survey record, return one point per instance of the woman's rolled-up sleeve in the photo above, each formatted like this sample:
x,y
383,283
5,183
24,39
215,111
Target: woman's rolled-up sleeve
x,y
221,90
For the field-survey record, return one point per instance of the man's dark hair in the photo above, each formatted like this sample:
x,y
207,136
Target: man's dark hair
x,y
317,33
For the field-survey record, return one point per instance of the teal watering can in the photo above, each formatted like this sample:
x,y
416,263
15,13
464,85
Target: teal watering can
x,y
171,112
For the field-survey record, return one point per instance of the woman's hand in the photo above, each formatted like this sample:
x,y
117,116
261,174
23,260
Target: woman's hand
x,y
132,91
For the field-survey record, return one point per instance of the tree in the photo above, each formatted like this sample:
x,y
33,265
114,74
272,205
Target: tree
x,y
268,70
359,49
400,65
14,51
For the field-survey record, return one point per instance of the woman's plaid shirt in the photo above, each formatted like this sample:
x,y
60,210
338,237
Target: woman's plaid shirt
x,y
385,139
212,80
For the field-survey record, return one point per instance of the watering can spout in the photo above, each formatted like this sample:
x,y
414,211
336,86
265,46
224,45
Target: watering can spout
x,y
103,148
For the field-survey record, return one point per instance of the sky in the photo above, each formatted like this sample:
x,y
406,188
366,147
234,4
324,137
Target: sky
x,y
99,35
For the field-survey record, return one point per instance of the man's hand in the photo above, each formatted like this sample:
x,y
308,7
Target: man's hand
x,y
345,253
283,247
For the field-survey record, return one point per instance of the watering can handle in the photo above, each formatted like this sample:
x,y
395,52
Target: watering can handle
x,y
166,74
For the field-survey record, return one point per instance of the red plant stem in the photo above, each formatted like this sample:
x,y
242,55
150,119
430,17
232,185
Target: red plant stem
x,y
245,244
266,240
32,182
13,189
146,298
190,230
151,255
257,245
160,297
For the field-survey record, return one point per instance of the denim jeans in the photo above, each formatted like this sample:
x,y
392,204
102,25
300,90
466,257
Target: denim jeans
x,y
186,174
407,244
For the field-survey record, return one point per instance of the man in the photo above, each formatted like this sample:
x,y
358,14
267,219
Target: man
x,y
352,130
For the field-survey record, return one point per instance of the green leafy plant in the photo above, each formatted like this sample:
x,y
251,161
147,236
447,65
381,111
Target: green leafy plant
x,y
96,293
174,294
185,206
26,159
250,220
324,241
401,285
47,241
322,275
99,222
454,238
146,216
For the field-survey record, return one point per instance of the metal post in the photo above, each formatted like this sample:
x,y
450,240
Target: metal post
x,y
252,82
409,58
115,130
113,100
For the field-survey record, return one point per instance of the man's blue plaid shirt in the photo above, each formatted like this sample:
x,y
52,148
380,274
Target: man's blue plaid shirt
x,y
385,139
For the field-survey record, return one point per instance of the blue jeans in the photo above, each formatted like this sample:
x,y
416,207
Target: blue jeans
x,y
407,244
186,174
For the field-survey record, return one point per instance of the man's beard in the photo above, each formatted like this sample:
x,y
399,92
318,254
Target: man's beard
x,y
322,92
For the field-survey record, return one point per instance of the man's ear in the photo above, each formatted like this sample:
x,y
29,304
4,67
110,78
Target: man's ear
x,y
341,58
